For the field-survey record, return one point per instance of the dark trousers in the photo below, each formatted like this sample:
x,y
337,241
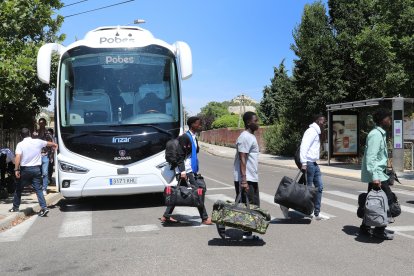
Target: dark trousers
x,y
50,171
385,186
253,193
29,175
202,210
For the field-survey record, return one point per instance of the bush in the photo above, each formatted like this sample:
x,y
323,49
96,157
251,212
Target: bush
x,y
226,121
281,139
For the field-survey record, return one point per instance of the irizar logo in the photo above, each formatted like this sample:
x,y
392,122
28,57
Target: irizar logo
x,y
111,40
118,140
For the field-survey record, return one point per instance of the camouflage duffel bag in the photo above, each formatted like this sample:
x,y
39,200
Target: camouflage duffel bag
x,y
238,215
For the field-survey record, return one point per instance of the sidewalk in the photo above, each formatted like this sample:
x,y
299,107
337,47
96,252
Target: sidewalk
x,y
29,206
342,170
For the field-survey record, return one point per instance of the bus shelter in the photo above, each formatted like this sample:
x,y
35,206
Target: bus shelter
x,y
344,129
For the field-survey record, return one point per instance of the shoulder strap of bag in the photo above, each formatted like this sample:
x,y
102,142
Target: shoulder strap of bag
x,y
389,163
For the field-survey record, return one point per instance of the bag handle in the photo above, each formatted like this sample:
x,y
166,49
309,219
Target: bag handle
x,y
238,198
298,176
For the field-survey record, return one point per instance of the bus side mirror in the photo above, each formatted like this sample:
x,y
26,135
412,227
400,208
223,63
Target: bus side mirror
x,y
44,58
185,58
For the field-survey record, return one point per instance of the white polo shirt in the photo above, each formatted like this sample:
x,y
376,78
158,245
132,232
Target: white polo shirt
x,y
30,149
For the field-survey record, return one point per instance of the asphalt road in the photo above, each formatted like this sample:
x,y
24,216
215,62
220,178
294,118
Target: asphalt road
x,y
123,236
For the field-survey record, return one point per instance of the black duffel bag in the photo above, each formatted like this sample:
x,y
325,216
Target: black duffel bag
x,y
395,208
362,198
201,183
296,196
184,195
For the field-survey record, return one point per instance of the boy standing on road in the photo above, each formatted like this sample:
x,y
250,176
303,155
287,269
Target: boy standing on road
x,y
374,165
28,169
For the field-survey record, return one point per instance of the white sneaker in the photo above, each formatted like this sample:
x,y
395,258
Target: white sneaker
x,y
285,211
44,193
321,217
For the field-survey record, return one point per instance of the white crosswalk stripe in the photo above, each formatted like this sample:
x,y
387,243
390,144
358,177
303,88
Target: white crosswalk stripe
x,y
355,197
189,215
76,224
17,232
141,228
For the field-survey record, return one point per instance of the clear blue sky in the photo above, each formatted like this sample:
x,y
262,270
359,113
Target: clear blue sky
x,y
235,43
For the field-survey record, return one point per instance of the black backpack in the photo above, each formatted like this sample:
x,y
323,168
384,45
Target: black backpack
x,y
171,152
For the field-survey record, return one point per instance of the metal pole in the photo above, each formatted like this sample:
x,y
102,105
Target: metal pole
x,y
329,137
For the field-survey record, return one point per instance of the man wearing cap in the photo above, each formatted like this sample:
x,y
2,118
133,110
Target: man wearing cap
x,y
28,169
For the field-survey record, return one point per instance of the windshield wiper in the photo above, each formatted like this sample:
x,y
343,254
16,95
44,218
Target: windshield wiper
x,y
157,128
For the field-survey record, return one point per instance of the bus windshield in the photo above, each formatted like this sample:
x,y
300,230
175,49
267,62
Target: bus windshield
x,y
128,86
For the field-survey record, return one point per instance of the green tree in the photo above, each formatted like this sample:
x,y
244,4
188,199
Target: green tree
x,y
226,121
371,36
277,97
318,68
25,26
211,112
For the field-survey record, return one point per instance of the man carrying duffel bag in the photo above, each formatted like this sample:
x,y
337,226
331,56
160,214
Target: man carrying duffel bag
x,y
373,171
246,165
186,167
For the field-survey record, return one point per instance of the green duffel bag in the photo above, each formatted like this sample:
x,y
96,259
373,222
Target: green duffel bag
x,y
242,216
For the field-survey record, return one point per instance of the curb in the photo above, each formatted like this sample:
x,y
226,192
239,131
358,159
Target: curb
x,y
293,167
28,211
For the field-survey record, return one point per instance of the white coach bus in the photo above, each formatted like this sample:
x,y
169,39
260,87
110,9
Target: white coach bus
x,y
117,102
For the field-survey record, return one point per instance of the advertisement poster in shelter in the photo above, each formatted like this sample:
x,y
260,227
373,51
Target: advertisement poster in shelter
x,y
344,134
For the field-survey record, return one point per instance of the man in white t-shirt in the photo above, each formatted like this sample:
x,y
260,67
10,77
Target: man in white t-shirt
x,y
246,164
28,169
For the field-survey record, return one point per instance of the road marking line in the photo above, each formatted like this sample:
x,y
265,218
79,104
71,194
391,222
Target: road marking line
x,y
342,194
17,232
405,235
271,199
222,197
141,228
76,224
402,228
339,205
189,214
355,197
404,192
218,181
221,188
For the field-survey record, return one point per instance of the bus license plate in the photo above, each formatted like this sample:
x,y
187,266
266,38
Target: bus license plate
x,y
122,181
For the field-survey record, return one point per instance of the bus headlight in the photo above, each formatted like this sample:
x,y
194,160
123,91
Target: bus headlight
x,y
67,167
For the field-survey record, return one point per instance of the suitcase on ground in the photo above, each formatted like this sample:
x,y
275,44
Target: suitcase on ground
x,y
296,196
184,195
242,216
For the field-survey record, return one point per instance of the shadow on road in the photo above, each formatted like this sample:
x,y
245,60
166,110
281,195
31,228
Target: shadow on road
x,y
410,201
291,221
229,242
353,230
105,203
234,237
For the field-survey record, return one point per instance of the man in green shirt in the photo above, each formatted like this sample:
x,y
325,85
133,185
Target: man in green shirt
x,y
374,165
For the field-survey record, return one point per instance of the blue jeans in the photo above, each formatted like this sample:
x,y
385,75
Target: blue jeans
x,y
29,175
45,171
314,177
